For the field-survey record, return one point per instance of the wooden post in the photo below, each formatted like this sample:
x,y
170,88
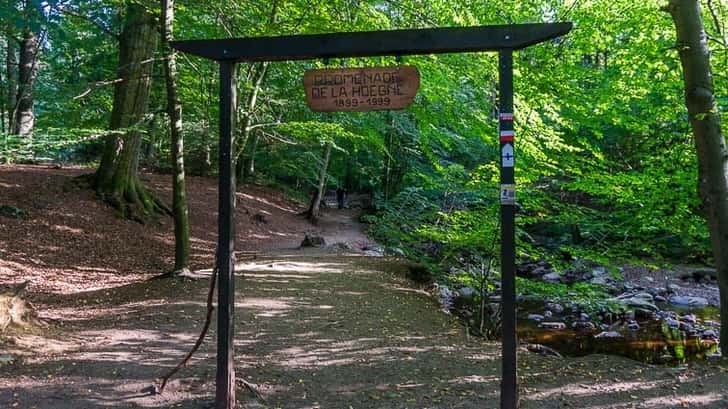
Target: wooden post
x,y
509,388
225,380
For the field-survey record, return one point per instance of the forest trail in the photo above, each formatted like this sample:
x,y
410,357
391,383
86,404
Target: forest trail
x,y
313,330
316,328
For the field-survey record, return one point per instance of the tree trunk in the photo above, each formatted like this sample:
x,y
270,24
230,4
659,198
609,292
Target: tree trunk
x,y
709,142
116,179
11,73
316,205
3,101
250,166
242,139
174,110
24,118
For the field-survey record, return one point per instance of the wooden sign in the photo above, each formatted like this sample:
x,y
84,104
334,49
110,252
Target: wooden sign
x,y
361,89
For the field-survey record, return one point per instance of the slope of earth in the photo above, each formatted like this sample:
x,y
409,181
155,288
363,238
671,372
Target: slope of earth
x,y
72,242
314,328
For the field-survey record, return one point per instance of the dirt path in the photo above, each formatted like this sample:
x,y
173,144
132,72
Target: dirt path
x,y
314,332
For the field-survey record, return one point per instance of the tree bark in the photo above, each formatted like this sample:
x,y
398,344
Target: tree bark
x,y
3,92
116,180
250,165
242,139
316,205
174,110
11,73
709,142
24,115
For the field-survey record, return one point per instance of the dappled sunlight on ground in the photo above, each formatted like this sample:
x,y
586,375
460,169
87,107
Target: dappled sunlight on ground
x,y
311,332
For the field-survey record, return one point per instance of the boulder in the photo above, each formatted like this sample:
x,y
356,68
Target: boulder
x,y
535,317
313,241
599,271
551,278
554,307
467,292
599,280
642,314
583,326
672,323
689,318
637,301
709,334
688,301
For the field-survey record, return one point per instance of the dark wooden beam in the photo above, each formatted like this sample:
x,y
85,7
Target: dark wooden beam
x,y
374,43
225,379
509,383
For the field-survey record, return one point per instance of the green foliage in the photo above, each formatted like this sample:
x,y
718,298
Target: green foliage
x,y
54,145
591,298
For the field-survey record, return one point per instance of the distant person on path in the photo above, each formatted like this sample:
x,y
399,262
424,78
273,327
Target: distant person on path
x,y
340,196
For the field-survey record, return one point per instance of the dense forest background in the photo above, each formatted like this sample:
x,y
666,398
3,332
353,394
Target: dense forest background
x,y
606,163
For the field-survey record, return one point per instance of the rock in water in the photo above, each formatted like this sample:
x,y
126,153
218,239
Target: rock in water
x,y
552,325
638,301
608,334
584,326
688,301
313,241
536,317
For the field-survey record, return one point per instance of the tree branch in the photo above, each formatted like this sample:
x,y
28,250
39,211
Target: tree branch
x,y
75,13
97,85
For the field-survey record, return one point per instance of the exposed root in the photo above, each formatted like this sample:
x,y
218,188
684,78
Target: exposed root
x,y
132,200
252,388
184,273
15,311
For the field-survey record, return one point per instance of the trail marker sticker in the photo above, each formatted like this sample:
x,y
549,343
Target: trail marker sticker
x,y
507,156
506,136
361,89
508,194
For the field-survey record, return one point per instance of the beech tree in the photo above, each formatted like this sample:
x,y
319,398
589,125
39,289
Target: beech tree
x,y
11,80
703,112
24,114
21,64
116,178
174,110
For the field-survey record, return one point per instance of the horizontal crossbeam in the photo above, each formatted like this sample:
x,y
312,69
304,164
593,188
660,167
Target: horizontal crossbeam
x,y
374,43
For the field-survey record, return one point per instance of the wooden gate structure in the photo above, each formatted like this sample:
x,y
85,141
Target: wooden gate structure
x,y
503,39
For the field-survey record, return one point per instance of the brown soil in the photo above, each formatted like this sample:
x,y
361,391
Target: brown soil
x,y
314,328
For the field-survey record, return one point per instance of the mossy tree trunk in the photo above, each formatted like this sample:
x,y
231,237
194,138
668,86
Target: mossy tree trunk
x,y
24,114
314,211
710,144
174,110
11,75
116,179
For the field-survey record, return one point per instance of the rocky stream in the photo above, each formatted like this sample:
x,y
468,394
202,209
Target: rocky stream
x,y
664,316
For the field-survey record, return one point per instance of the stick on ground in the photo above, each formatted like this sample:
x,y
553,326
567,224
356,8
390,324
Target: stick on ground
x,y
205,328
